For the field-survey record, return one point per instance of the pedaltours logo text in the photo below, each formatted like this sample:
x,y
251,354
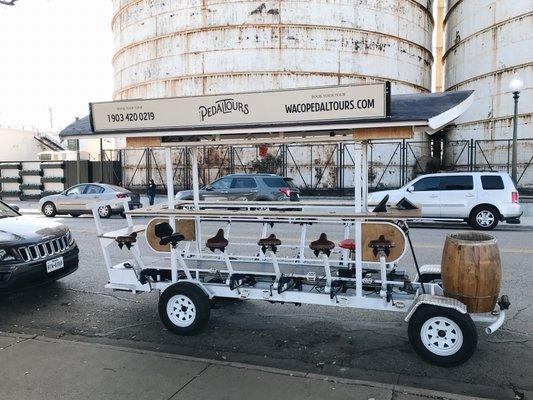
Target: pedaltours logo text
x,y
224,106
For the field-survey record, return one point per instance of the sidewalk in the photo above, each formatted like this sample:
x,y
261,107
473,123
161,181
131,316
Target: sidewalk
x,y
41,368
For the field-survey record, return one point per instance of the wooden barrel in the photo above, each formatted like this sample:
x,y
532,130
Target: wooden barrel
x,y
471,270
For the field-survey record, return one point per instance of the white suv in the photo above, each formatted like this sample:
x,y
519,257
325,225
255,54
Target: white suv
x,y
480,198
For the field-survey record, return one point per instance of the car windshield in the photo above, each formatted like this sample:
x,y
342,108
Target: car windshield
x,y
6,211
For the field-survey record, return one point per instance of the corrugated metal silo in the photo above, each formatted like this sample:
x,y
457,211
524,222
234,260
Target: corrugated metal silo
x,y
488,42
192,47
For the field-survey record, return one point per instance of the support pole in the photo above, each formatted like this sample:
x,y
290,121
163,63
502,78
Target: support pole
x,y
514,160
364,176
357,158
196,195
170,204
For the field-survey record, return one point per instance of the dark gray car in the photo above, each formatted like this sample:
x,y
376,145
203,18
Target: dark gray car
x,y
247,187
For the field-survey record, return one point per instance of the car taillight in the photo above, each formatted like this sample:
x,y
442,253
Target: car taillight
x,y
122,195
514,197
285,191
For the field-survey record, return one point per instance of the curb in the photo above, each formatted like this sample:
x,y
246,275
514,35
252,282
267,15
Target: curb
x,y
306,375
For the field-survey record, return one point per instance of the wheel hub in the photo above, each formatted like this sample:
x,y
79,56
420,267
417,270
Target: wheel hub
x,y
181,310
485,218
441,336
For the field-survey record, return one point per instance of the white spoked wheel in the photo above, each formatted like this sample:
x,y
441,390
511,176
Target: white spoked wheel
x,y
181,310
441,336
184,308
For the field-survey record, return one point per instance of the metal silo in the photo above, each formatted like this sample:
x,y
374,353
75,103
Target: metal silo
x,y
488,42
193,47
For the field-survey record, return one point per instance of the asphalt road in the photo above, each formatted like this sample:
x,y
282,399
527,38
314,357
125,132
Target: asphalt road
x,y
355,344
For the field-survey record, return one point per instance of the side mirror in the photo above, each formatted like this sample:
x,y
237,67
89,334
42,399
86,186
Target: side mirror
x,y
209,187
14,207
411,189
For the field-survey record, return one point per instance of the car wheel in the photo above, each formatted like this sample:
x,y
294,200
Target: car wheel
x,y
484,218
104,211
184,308
49,209
442,336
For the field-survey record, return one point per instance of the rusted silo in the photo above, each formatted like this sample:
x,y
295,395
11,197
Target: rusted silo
x,y
192,47
488,42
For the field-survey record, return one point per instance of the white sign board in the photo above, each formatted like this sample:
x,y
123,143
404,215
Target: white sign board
x,y
274,108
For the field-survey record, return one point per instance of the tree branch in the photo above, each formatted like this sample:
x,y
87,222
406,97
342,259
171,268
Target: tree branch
x,y
8,2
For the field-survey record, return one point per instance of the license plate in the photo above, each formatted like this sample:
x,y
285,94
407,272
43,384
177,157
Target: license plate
x,y
55,264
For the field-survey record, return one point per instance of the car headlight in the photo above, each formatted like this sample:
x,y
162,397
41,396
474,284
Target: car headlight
x,y
7,255
70,239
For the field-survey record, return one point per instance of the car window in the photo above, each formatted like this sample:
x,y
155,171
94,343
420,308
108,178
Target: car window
x,y
427,184
243,183
275,182
118,188
457,182
492,182
6,211
75,190
222,183
94,189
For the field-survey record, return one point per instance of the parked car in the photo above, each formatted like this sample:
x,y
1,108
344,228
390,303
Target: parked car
x,y
33,251
480,198
75,199
247,187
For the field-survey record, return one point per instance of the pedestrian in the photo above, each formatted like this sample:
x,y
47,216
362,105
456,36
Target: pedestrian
x,y
151,192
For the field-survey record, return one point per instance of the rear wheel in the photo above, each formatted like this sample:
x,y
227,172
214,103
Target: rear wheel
x,y
442,336
104,211
184,308
484,218
49,209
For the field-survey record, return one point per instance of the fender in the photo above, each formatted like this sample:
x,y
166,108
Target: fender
x,y
434,300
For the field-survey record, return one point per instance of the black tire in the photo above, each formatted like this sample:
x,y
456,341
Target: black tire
x,y
49,209
74,215
484,218
105,212
123,215
459,335
195,311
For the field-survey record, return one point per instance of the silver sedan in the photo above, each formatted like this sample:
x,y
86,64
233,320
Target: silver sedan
x,y
75,199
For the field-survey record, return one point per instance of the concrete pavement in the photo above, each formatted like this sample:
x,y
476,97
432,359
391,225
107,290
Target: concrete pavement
x,y
41,368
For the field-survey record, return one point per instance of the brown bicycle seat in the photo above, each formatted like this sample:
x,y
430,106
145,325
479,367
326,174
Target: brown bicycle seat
x,y
271,242
217,242
126,240
381,245
322,245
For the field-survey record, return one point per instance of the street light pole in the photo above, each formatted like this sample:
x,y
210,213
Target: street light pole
x,y
514,168
515,85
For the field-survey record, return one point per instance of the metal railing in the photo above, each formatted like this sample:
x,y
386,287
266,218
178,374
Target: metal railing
x,y
329,167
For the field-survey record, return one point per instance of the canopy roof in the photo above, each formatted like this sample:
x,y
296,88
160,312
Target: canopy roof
x,y
428,111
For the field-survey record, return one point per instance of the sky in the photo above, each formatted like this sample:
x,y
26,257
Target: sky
x,y
54,54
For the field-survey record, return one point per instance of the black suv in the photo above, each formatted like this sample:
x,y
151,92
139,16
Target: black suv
x,y
247,187
33,251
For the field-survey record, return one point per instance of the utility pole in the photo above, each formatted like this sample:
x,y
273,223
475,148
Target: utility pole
x,y
516,85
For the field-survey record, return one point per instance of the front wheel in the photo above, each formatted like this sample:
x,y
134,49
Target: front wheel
x,y
484,218
49,209
184,308
442,336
